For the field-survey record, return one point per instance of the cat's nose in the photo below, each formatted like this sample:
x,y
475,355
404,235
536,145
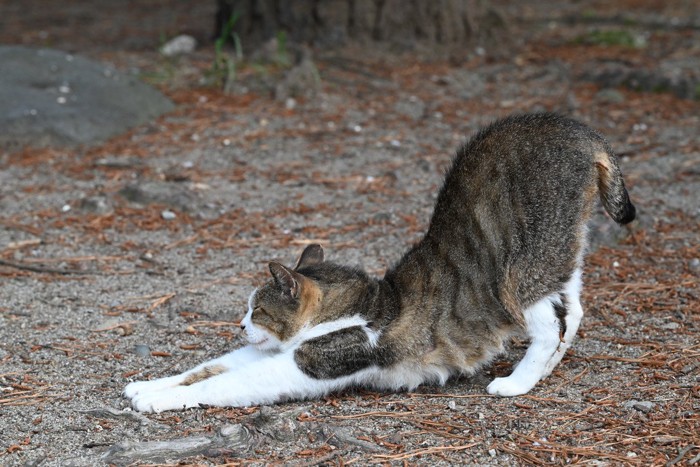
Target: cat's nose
x,y
242,327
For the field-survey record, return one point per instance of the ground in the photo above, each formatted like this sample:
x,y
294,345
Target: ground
x,y
134,258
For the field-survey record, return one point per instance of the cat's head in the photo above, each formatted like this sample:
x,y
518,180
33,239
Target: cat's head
x,y
278,310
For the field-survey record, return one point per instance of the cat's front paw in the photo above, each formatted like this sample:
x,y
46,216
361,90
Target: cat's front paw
x,y
158,401
508,387
135,388
140,387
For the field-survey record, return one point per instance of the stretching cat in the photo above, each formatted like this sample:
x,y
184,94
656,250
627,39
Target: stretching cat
x,y
502,256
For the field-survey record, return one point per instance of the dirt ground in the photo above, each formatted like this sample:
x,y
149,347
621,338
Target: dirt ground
x,y
133,259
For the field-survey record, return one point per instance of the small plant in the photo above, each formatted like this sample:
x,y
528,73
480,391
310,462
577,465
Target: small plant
x,y
283,58
609,37
224,67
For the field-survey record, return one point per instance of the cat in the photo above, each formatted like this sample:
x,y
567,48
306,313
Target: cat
x,y
502,257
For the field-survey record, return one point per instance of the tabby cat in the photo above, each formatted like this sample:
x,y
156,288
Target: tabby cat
x,y
502,257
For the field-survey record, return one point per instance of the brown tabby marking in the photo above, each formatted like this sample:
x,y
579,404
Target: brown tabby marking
x,y
205,373
311,297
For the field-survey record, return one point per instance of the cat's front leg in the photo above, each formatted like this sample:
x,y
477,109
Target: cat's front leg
x,y
172,398
237,358
270,380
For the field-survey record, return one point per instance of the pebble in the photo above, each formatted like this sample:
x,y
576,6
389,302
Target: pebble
x,y
452,405
179,45
168,215
492,452
142,350
95,204
694,263
642,406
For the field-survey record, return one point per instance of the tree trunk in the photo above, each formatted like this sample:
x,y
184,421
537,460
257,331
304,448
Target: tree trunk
x,y
429,25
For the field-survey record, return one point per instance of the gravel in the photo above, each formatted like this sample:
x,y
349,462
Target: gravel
x,y
119,293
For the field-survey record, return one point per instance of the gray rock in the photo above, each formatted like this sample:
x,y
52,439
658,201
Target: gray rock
x,y
95,204
411,107
302,80
179,45
171,194
49,97
676,76
642,406
142,350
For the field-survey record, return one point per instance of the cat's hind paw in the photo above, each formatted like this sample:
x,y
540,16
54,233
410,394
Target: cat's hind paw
x,y
508,387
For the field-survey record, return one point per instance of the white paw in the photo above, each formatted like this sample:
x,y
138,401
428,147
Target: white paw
x,y
140,387
508,387
159,401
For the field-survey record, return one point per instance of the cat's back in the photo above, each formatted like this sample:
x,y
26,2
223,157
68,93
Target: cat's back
x,y
518,196
519,167
527,145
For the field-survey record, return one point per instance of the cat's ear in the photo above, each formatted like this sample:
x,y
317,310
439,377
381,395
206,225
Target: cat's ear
x,y
313,254
285,279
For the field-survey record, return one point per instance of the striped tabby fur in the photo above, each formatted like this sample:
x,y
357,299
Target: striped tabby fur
x,y
502,256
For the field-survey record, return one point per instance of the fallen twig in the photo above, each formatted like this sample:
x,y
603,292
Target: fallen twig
x,y
382,414
160,301
43,269
126,326
422,452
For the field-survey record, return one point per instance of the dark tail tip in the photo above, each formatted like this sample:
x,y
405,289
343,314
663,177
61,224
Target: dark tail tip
x,y
628,214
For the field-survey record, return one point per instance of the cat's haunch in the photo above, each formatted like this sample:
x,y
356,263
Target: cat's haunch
x,y
502,256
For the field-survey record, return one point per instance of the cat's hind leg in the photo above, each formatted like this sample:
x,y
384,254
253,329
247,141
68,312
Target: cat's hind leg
x,y
543,327
570,312
551,324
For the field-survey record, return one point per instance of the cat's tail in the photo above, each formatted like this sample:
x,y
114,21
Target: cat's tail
x,y
612,189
